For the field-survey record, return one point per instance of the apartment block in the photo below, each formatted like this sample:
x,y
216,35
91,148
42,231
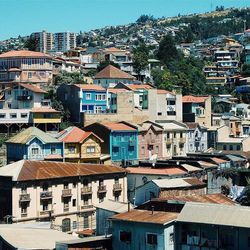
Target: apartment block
x,y
64,41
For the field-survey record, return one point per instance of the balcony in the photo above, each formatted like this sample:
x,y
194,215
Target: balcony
x,y
117,187
182,140
66,208
171,113
102,189
87,207
66,193
169,141
46,212
24,198
46,195
24,97
86,190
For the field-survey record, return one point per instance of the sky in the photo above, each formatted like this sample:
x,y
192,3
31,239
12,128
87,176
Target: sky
x,y
22,17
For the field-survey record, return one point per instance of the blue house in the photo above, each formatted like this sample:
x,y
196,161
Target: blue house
x,y
120,140
82,98
143,229
33,144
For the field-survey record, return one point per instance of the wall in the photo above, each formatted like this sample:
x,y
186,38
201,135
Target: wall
x,y
94,142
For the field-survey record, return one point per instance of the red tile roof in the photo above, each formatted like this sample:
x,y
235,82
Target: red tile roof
x,y
193,99
139,86
145,216
111,72
75,135
90,87
32,88
163,91
116,126
23,53
113,49
157,171
218,160
44,110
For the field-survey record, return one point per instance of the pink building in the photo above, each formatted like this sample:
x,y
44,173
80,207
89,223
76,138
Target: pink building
x,y
150,140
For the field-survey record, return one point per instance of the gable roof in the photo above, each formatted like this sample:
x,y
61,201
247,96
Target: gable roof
x,y
145,216
75,135
23,53
90,87
135,87
193,99
118,126
172,125
215,214
33,88
26,170
111,72
32,132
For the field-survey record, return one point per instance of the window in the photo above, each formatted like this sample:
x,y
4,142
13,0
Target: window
x,y
24,189
85,221
174,134
224,147
74,202
45,186
13,115
181,135
86,200
168,135
159,113
66,204
24,208
65,185
53,149
2,115
35,151
45,206
231,147
238,147
116,196
98,109
72,149
9,105
152,239
24,115
100,97
125,236
74,225
29,74
88,96
171,238
90,149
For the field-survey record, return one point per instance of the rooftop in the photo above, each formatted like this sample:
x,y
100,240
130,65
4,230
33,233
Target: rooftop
x,y
118,126
33,88
193,99
145,216
114,206
156,171
23,53
111,72
90,87
30,133
139,86
215,214
26,170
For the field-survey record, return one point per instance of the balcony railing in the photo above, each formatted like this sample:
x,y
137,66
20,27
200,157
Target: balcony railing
x,y
24,198
102,189
87,206
46,212
117,187
66,193
86,190
45,195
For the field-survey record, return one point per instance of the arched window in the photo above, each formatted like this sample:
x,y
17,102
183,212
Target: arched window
x,y
66,225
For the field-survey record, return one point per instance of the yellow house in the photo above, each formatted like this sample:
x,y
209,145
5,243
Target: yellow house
x,y
80,146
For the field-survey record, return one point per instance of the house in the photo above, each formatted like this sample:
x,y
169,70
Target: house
x,y
60,192
197,109
212,226
110,76
142,229
80,146
174,138
23,105
31,236
197,139
82,98
161,188
120,140
33,144
26,67
150,136
105,210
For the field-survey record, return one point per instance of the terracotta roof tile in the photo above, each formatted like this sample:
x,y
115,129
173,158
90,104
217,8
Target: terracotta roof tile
x,y
90,87
118,126
218,160
32,88
145,216
139,86
157,171
111,72
163,91
193,99
23,53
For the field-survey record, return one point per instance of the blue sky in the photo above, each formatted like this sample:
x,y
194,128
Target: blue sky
x,y
26,16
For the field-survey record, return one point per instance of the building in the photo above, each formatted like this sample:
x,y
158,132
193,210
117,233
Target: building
x,y
197,138
174,138
120,140
64,41
142,229
197,109
162,188
26,67
212,226
45,41
33,144
105,210
63,193
150,136
82,98
110,76
80,146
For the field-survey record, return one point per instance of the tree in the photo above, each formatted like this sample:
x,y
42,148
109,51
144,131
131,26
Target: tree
x,y
69,78
246,69
140,59
31,44
145,18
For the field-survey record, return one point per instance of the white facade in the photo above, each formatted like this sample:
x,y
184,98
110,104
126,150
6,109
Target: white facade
x,y
64,41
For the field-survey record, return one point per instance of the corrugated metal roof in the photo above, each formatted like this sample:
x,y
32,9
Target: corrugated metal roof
x,y
215,214
25,170
114,206
145,216
30,133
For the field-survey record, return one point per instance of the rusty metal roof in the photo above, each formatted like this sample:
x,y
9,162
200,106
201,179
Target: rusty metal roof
x,y
25,170
145,216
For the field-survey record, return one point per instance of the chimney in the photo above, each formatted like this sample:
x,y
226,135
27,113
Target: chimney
x,y
152,210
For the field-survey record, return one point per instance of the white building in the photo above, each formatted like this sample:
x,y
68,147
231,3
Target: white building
x,y
64,41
